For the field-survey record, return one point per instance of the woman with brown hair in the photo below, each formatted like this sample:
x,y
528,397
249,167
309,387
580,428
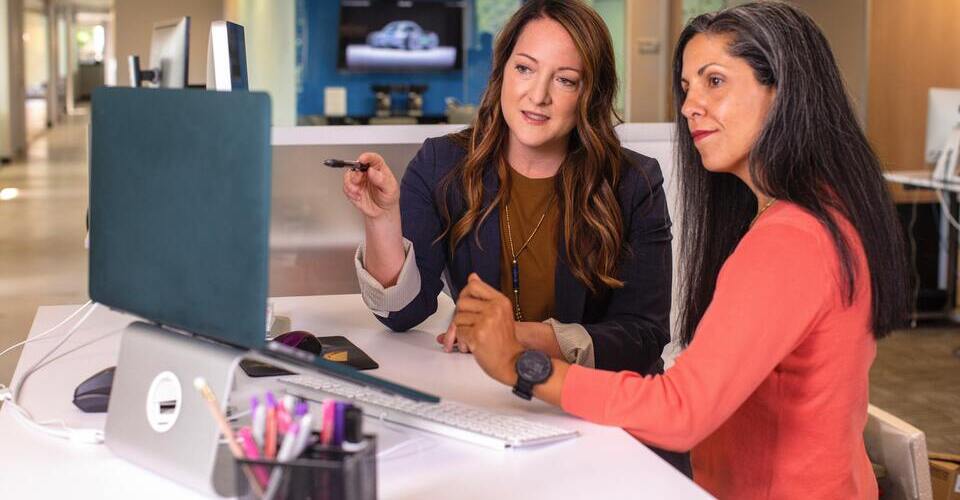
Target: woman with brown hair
x,y
539,199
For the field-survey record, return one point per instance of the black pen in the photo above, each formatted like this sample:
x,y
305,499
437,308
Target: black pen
x,y
352,165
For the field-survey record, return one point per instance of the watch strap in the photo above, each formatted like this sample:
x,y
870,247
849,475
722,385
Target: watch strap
x,y
524,389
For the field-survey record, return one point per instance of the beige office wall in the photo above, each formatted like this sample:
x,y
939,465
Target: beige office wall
x,y
845,24
270,29
6,150
133,23
647,49
35,48
13,134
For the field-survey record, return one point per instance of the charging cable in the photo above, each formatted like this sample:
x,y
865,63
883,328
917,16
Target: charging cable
x,y
10,395
945,208
48,332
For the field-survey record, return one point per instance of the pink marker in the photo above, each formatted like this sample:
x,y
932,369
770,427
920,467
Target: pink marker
x,y
251,451
326,432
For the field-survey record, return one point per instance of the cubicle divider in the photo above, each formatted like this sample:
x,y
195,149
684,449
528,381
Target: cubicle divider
x,y
315,231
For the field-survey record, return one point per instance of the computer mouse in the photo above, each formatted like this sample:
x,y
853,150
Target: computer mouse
x,y
305,341
93,394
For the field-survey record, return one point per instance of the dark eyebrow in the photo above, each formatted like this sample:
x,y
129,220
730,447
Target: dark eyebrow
x,y
701,70
534,59
528,56
705,66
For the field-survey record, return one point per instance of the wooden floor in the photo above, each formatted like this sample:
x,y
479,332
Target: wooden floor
x,y
916,377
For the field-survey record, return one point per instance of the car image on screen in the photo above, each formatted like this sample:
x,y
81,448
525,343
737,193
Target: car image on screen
x,y
406,35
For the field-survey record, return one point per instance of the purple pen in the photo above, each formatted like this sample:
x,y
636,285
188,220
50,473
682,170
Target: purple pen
x,y
301,409
338,423
271,400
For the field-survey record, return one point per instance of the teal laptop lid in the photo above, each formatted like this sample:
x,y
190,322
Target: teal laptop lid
x,y
180,208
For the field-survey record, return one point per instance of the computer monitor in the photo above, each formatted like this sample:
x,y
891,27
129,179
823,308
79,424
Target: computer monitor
x,y
169,57
226,57
943,116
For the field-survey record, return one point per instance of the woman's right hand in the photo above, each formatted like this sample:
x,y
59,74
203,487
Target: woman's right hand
x,y
375,192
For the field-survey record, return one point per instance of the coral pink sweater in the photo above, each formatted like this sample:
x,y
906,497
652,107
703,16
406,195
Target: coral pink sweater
x,y
771,395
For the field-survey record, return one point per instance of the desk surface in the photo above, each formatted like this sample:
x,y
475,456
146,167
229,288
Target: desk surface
x,y
603,461
921,179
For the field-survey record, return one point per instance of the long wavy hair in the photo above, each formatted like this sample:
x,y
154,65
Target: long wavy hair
x,y
811,152
588,177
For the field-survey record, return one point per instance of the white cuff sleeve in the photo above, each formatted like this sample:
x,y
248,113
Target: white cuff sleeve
x,y
576,344
383,301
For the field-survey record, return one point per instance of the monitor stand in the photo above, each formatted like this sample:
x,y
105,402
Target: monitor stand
x,y
158,420
946,166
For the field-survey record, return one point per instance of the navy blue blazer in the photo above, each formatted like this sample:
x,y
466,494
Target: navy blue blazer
x,y
629,326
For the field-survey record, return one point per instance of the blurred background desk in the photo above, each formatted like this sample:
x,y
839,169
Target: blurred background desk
x,y
947,193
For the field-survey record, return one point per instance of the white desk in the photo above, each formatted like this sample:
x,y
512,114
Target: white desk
x,y
921,179
603,462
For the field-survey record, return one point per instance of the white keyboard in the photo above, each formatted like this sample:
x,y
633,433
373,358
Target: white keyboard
x,y
447,418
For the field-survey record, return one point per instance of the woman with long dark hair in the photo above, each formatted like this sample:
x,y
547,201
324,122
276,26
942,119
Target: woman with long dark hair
x,y
539,199
793,267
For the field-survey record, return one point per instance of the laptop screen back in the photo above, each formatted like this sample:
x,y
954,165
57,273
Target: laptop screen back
x,y
180,208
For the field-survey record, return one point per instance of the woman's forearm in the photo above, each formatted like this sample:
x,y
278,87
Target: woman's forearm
x,y
383,256
552,390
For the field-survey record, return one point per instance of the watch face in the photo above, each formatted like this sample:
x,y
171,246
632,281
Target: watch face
x,y
534,366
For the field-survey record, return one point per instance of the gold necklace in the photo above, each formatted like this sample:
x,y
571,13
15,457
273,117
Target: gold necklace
x,y
761,211
514,265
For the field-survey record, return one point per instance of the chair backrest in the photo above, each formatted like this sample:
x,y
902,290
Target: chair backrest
x,y
902,449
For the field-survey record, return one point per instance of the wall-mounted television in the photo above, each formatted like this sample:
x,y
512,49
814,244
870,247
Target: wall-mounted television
x,y
386,36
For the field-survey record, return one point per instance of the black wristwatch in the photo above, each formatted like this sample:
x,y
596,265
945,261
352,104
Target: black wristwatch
x,y
533,367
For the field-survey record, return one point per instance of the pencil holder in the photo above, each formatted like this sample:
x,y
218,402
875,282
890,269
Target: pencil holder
x,y
320,473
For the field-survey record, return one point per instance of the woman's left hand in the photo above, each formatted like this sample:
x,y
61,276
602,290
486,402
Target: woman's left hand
x,y
484,322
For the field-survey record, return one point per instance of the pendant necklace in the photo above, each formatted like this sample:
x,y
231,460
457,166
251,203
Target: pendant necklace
x,y
514,265
762,210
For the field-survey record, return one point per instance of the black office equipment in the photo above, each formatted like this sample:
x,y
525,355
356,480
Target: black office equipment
x,y
323,472
336,349
93,394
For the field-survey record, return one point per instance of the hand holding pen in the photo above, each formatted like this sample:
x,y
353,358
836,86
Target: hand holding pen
x,y
352,165
375,191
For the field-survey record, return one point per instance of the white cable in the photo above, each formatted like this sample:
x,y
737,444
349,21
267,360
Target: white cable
x,y
915,267
55,428
946,210
44,334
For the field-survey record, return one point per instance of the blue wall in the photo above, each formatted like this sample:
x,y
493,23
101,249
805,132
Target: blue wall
x,y
317,28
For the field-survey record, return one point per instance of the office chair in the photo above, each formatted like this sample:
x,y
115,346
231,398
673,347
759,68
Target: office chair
x,y
902,449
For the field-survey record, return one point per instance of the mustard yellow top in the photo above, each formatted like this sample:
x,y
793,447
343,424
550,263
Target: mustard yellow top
x,y
528,200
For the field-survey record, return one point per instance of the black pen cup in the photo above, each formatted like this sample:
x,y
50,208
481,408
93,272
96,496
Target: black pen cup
x,y
320,473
